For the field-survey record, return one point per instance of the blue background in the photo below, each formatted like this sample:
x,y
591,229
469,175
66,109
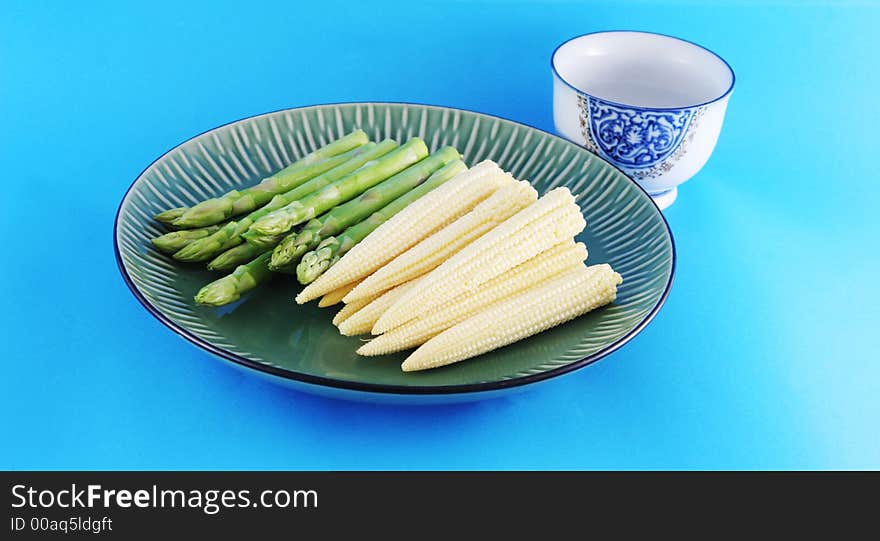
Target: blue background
x,y
765,355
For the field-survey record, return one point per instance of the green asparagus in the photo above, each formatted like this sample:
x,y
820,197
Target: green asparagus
x,y
236,202
329,250
170,215
232,286
284,219
337,219
262,241
235,256
230,235
175,240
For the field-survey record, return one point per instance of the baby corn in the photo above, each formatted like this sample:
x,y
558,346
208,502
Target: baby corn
x,y
561,258
335,296
434,250
551,220
435,210
363,320
537,309
346,311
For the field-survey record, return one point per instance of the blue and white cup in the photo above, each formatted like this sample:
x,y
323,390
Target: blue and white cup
x,y
650,104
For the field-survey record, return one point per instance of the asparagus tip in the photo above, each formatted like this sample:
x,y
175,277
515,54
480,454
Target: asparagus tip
x,y
219,292
270,224
170,215
220,263
313,264
167,245
260,241
198,250
208,212
286,253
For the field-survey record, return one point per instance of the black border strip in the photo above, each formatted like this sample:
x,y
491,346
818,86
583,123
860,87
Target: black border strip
x,y
375,387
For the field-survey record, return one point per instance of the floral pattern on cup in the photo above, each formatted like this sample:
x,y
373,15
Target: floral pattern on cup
x,y
644,142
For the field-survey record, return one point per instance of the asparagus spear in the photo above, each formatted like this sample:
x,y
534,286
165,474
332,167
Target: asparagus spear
x,y
235,202
232,286
230,235
263,241
329,250
175,240
170,215
218,209
337,219
236,256
284,219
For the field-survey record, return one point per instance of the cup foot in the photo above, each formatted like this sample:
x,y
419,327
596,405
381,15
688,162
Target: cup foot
x,y
664,199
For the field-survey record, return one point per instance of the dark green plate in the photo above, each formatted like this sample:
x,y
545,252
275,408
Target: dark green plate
x,y
268,334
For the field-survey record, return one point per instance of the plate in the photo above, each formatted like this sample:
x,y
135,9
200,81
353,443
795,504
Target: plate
x,y
266,333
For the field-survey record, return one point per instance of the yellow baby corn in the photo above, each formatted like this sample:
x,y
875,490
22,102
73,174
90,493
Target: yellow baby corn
x,y
434,250
551,220
363,320
434,210
346,311
544,266
335,296
530,312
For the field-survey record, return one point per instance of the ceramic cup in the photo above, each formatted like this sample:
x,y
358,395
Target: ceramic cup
x,y
650,104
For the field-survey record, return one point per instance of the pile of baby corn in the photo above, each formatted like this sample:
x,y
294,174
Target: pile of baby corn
x,y
475,264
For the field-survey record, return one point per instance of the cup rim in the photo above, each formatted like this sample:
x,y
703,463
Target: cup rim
x,y
630,105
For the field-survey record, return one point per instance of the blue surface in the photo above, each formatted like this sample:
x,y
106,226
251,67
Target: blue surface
x,y
765,355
